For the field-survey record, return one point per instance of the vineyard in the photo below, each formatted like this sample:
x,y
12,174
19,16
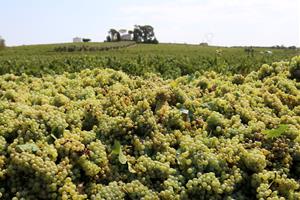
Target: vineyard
x,y
149,122
166,60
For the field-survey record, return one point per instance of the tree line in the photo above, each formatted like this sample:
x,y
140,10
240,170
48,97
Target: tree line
x,y
140,34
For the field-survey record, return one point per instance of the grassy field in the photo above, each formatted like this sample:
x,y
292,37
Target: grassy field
x,y
168,60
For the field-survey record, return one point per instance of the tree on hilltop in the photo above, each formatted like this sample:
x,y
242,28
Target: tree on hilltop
x,y
2,42
114,35
144,34
141,34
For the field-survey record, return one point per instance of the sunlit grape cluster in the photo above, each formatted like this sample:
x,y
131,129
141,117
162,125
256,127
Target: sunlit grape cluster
x,y
101,134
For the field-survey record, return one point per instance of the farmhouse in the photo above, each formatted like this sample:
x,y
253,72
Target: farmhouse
x,y
126,37
77,39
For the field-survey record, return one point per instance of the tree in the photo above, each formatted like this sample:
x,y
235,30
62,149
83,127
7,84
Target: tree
x,y
154,41
148,33
86,40
2,43
108,38
204,44
137,34
112,33
144,34
118,35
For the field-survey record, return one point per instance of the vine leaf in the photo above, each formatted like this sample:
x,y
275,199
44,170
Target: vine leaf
x,y
27,147
274,133
122,158
117,149
130,168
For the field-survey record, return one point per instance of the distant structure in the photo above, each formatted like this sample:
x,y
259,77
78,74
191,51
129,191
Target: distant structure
x,y
140,34
269,52
2,42
204,44
77,39
126,37
86,40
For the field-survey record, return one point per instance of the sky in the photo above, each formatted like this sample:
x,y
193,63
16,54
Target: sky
x,y
218,22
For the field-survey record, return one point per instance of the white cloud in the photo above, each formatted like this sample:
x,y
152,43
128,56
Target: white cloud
x,y
232,22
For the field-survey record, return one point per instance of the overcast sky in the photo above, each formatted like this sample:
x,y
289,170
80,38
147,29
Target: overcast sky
x,y
218,22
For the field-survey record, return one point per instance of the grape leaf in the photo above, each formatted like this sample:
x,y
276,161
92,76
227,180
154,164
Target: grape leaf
x,y
27,147
130,169
117,149
122,158
274,133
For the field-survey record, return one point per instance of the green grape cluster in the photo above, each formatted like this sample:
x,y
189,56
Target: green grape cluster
x,y
254,160
113,190
94,160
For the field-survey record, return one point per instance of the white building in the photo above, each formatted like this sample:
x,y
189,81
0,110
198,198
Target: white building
x,y
126,37
77,39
